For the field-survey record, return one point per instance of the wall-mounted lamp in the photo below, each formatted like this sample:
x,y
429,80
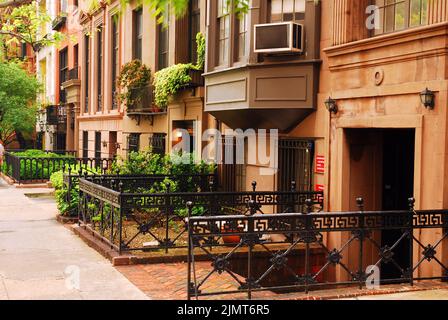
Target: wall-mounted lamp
x,y
104,143
117,145
331,105
428,98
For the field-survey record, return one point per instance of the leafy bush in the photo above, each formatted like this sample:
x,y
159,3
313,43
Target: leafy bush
x,y
200,41
65,207
133,75
39,165
168,81
148,163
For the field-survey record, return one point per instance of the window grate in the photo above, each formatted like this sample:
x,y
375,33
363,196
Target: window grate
x,y
157,141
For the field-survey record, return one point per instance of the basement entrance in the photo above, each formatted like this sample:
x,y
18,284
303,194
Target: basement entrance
x,y
382,172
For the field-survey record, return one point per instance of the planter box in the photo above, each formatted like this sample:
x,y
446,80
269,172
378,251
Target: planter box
x,y
197,80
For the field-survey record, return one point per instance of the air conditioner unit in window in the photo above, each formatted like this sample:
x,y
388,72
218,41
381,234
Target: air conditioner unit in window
x,y
282,37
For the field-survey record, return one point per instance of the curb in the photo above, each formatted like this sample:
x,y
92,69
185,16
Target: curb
x,y
101,247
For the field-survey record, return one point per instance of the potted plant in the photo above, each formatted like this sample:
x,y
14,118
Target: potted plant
x,y
231,239
134,77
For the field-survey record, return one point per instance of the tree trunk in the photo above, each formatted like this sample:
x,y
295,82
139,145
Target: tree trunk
x,y
21,140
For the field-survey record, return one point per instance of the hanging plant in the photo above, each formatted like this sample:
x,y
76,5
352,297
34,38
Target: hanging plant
x,y
200,42
133,78
169,81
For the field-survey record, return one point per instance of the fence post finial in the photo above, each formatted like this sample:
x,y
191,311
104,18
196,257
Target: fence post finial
x,y
293,186
211,184
189,207
360,203
411,202
120,187
309,205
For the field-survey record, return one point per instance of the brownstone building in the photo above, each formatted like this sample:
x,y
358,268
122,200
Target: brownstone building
x,y
114,36
374,137
356,88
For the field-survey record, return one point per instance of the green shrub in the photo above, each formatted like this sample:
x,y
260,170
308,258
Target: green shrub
x,y
34,164
168,81
61,190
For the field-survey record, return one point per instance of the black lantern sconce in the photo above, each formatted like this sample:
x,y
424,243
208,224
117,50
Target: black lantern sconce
x,y
331,105
427,98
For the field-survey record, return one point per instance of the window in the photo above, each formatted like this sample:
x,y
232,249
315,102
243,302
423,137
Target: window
x,y
63,73
224,31
231,175
75,56
397,15
114,60
63,6
242,36
138,34
295,161
133,142
163,43
157,141
195,28
287,10
85,144
99,64
97,148
23,50
86,71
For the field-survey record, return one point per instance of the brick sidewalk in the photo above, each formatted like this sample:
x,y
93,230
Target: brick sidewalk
x,y
169,281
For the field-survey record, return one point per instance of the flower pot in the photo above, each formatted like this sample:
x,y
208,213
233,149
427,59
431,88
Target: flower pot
x,y
155,109
230,239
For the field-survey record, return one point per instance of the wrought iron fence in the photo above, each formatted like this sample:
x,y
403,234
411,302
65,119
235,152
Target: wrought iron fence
x,y
303,251
39,169
140,99
132,213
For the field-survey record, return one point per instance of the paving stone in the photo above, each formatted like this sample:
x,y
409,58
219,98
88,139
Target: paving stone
x,y
38,255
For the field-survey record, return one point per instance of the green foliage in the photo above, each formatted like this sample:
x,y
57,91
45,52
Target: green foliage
x,y
200,41
36,153
23,23
133,75
148,163
141,163
61,190
33,168
159,8
18,91
168,81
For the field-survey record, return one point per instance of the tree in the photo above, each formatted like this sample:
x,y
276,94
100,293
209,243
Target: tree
x,y
18,91
21,21
179,7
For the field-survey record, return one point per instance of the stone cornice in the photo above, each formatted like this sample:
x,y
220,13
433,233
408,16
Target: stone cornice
x,y
376,50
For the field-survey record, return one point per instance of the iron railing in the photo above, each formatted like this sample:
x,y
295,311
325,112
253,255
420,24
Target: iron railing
x,y
131,213
52,115
39,169
304,251
157,141
140,99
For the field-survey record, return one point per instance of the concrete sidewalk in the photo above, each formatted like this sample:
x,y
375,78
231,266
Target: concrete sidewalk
x,y
40,259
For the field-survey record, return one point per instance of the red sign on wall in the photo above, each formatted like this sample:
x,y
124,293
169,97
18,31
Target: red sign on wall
x,y
319,188
320,164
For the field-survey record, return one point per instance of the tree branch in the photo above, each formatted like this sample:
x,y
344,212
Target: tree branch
x,y
13,3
